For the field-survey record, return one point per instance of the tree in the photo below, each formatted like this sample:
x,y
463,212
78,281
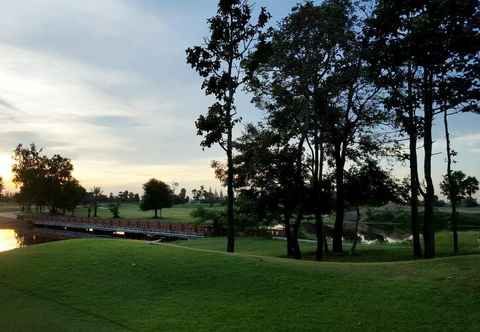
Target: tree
x,y
268,169
58,175
157,196
72,194
398,77
290,77
218,62
43,180
96,194
471,186
310,78
369,185
29,175
457,186
183,195
440,40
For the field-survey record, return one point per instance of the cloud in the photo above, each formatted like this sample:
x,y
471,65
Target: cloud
x,y
100,82
106,83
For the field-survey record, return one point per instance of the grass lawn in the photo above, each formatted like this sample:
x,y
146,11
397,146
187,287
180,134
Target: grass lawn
x,y
175,214
469,244
116,285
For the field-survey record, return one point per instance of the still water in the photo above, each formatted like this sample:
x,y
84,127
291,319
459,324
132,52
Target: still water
x,y
16,236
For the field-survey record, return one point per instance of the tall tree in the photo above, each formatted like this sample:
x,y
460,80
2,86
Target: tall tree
x,y
396,74
269,168
440,38
292,76
218,61
157,196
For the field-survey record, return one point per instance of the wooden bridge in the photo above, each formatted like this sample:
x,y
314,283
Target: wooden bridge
x,y
127,226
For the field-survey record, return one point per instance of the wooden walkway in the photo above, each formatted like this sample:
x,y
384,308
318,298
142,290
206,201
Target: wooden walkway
x,y
130,226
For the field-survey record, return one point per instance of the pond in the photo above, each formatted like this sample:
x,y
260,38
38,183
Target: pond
x,y
15,235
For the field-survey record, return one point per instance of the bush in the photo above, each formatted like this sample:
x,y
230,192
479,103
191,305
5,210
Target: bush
x,y
215,217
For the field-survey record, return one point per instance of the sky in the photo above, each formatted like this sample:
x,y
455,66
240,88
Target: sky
x,y
106,84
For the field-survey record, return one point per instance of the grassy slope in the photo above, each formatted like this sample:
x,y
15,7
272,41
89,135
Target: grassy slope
x,y
177,213
124,285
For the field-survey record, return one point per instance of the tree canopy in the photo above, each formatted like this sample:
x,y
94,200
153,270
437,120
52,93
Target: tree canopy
x,y
45,181
157,196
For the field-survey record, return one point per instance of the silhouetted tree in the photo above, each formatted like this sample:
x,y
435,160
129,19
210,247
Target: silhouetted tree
x,y
157,196
268,167
439,39
311,79
218,61
457,186
72,194
29,176
44,180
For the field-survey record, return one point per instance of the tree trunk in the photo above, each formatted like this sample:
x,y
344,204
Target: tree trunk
x,y
156,214
340,200
95,207
289,236
412,130
453,195
355,239
230,194
296,251
428,227
417,247
317,181
300,184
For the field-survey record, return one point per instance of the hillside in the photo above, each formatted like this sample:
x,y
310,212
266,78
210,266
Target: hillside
x,y
113,285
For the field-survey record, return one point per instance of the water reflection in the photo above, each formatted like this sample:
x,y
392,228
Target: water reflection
x,y
24,235
16,235
9,240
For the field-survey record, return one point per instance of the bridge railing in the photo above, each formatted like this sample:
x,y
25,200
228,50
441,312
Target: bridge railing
x,y
136,225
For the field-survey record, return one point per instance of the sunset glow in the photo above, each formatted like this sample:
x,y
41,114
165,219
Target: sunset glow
x,y
8,240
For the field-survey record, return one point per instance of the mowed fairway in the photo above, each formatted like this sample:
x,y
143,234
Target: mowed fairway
x,y
176,214
117,285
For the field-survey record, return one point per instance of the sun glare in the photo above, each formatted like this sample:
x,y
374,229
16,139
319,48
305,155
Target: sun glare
x,y
6,163
8,241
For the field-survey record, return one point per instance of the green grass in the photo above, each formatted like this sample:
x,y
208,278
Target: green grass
x,y
469,244
175,214
115,285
